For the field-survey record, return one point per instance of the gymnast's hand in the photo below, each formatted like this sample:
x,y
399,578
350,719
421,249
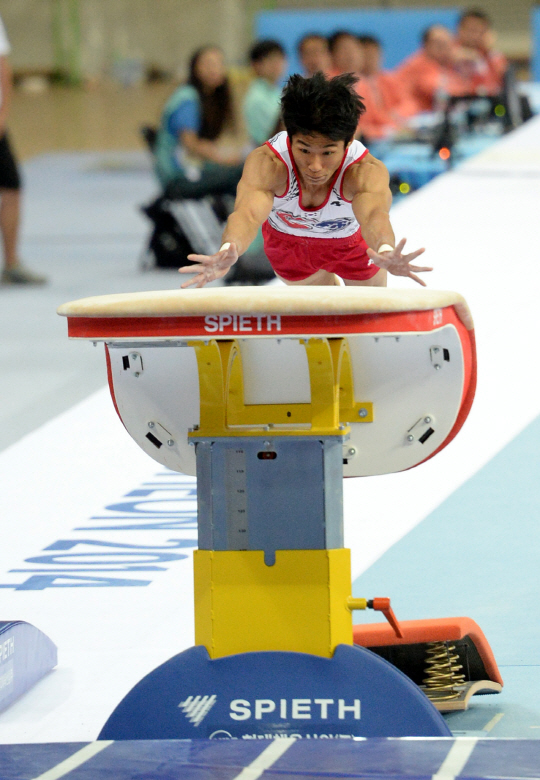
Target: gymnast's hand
x,y
210,267
399,264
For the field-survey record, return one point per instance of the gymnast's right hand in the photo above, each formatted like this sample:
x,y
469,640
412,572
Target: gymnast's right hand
x,y
210,267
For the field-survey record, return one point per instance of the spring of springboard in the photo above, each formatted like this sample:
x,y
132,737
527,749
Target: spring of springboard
x,y
443,678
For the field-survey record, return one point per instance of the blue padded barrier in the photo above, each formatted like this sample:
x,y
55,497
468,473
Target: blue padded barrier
x,y
26,655
399,31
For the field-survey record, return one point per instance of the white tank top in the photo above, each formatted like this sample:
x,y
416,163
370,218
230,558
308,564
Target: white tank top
x,y
332,219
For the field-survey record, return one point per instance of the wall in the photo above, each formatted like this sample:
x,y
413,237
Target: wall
x,y
164,32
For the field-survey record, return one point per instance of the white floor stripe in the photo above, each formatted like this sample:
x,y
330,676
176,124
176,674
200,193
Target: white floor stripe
x,y
77,759
493,722
457,757
266,759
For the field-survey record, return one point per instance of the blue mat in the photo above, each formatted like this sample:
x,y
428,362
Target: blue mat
x,y
225,760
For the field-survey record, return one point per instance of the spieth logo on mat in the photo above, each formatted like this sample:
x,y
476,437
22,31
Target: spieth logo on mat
x,y
295,709
242,323
196,708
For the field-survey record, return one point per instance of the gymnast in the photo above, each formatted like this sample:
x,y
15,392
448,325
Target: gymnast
x,y
322,199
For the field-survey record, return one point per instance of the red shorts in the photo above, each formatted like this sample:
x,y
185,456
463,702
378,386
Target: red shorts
x,y
296,257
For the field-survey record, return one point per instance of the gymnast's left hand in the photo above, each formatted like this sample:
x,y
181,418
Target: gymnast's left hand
x,y
398,264
209,267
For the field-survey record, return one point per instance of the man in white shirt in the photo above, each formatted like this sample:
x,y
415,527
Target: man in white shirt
x,y
10,183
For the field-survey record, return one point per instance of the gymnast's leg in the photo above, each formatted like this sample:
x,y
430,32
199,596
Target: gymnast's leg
x,y
320,277
378,280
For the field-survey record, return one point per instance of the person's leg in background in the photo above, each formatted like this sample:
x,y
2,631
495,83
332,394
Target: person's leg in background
x,y
214,180
10,211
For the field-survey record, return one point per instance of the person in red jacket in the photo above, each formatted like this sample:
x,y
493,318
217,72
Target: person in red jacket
x,y
477,59
433,72
314,53
387,104
346,52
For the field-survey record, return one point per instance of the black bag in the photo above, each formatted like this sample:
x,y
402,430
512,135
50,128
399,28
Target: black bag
x,y
188,227
251,269
168,246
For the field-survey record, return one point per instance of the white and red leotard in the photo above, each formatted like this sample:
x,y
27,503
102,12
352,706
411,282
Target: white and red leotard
x,y
299,241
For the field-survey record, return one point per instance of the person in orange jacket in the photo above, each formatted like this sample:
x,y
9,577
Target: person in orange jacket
x,y
387,104
314,54
477,59
433,72
346,52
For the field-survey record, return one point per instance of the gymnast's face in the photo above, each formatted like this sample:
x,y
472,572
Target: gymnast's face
x,y
317,157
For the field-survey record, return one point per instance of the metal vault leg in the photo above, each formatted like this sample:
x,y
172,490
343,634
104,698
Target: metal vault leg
x,y
271,572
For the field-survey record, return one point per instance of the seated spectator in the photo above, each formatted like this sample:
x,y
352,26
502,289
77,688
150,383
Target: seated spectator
x,y
189,161
477,59
431,74
346,53
314,53
387,104
262,102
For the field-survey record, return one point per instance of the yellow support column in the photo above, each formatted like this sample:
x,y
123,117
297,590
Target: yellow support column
x,y
299,604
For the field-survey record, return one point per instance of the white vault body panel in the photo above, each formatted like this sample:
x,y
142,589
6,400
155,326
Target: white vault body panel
x,y
414,380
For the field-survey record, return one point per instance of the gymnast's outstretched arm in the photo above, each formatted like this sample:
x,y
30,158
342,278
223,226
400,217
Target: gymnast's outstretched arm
x,y
263,175
367,185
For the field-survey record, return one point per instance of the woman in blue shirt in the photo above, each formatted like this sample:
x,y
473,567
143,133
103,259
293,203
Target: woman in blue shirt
x,y
189,162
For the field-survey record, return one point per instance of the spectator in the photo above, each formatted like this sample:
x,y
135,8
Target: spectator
x,y
10,184
346,53
387,104
477,59
431,73
262,102
314,53
189,161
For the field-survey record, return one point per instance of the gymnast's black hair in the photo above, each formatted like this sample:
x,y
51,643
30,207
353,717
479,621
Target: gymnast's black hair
x,y
329,107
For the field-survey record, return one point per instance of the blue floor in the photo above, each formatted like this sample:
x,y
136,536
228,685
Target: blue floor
x,y
478,555
226,760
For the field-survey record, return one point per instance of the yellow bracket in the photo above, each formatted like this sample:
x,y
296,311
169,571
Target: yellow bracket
x,y
223,411
354,604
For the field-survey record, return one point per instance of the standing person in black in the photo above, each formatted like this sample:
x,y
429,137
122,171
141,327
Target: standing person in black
x,y
10,183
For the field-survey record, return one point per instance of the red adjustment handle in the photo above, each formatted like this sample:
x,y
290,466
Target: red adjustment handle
x,y
383,605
